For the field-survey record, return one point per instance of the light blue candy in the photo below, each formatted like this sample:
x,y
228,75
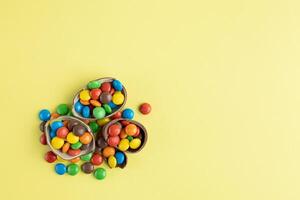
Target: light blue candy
x,y
120,157
78,107
60,169
85,111
117,85
112,105
44,115
56,125
52,134
128,113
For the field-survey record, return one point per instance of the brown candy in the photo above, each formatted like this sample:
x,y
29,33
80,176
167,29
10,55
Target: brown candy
x,y
42,126
100,142
105,97
79,130
87,167
72,123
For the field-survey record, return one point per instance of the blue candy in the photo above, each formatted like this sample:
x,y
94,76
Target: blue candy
x,y
60,169
120,157
112,105
44,115
56,125
52,134
117,85
128,113
78,107
85,111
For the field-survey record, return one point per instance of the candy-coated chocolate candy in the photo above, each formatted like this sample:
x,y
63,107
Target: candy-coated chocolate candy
x,y
99,112
77,145
74,152
85,103
50,157
131,129
79,130
105,97
62,109
54,115
100,173
85,146
94,126
78,107
123,134
108,151
120,157
123,145
135,143
96,159
107,108
95,103
128,113
112,105
117,85
62,132
114,129
125,122
57,142
42,126
71,138
59,159
87,167
137,132
112,91
65,123
129,138
86,157
101,142
112,162
103,121
105,87
43,139
95,93
44,115
84,95
113,141
60,169
86,138
118,98
85,111
75,160
145,108
93,84
52,134
72,123
56,125
65,147
117,115
73,169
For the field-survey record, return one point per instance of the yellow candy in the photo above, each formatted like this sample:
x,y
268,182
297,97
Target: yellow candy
x,y
59,159
71,138
118,98
103,121
124,144
57,142
112,162
84,95
135,143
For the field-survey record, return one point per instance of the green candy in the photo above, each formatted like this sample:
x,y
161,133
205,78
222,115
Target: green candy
x,y
77,145
99,112
100,173
107,108
70,113
73,169
129,138
62,109
94,126
93,84
86,157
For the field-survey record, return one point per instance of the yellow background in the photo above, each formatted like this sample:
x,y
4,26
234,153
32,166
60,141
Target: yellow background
x,y
222,77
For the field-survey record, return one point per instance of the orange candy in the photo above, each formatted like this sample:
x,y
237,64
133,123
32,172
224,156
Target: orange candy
x,y
108,151
123,134
86,138
54,115
95,103
84,102
75,160
65,147
131,129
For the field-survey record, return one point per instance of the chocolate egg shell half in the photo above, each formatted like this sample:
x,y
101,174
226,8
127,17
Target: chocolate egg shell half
x,y
66,156
143,136
101,80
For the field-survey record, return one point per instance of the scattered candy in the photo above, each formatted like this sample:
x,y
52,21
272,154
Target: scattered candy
x,y
128,113
145,108
73,169
100,173
50,157
60,169
62,109
44,115
87,167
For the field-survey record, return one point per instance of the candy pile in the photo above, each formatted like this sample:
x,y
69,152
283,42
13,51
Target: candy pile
x,y
101,98
94,131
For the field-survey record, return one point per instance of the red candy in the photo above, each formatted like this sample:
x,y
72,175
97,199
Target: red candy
x,y
74,152
96,159
112,91
145,108
114,129
50,157
113,141
125,123
62,132
95,93
137,132
117,115
105,87
43,139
